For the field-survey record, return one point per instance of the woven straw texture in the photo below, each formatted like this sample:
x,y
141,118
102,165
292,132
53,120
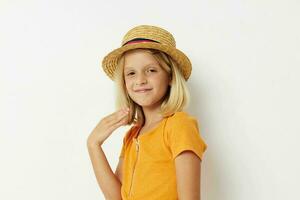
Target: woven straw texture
x,y
165,42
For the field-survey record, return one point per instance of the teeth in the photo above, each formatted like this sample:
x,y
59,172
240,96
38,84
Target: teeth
x,y
142,90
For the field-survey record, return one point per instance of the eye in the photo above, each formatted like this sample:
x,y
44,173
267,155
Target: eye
x,y
152,70
130,73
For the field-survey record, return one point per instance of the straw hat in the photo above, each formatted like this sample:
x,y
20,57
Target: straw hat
x,y
150,37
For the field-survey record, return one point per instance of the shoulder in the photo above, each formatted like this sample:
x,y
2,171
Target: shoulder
x,y
181,119
181,123
181,115
182,133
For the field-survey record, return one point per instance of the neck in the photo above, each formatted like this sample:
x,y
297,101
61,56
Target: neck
x,y
152,115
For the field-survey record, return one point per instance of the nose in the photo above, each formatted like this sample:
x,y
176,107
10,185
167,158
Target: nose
x,y
141,79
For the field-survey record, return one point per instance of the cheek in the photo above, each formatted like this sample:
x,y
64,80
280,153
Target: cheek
x,y
128,84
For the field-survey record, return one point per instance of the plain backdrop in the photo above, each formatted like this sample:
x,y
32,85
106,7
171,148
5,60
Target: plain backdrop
x,y
244,87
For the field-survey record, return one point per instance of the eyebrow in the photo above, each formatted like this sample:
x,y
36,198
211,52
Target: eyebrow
x,y
129,68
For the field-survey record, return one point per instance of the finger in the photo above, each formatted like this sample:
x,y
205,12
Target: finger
x,y
114,114
118,124
123,117
123,120
117,117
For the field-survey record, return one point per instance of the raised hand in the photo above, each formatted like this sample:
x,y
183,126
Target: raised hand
x,y
107,125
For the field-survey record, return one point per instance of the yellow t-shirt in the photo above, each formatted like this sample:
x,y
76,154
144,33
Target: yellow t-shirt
x,y
148,166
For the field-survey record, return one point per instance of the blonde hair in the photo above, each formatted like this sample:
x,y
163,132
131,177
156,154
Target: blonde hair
x,y
177,97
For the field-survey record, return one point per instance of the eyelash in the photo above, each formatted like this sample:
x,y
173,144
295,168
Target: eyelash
x,y
153,70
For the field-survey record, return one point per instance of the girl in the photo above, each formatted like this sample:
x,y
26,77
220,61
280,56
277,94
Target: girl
x,y
162,151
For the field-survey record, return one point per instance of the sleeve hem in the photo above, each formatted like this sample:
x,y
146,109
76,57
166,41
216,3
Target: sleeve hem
x,y
197,152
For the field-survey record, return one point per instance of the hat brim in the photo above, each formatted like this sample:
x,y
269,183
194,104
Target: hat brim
x,y
110,61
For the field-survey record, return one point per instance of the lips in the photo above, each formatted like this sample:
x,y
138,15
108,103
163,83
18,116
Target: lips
x,y
143,90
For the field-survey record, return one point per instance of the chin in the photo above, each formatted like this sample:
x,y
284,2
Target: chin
x,y
143,104
146,102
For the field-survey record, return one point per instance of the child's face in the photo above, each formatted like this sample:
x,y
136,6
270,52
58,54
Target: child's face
x,y
146,82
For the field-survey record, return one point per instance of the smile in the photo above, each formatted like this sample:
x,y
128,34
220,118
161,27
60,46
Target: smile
x,y
143,91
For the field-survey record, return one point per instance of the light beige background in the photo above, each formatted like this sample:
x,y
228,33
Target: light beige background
x,y
245,90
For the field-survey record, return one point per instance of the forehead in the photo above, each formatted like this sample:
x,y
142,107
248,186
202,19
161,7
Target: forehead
x,y
133,67
138,59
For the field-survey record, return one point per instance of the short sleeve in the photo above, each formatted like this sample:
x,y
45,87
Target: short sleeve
x,y
183,134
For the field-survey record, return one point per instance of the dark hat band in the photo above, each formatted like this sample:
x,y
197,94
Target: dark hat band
x,y
138,40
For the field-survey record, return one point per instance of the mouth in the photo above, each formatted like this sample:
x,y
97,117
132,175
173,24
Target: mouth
x,y
143,90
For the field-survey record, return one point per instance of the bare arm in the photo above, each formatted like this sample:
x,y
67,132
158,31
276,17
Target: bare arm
x,y
188,175
118,171
109,183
